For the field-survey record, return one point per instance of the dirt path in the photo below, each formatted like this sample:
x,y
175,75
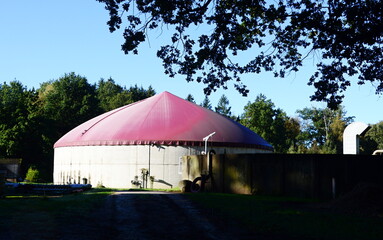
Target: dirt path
x,y
158,215
125,215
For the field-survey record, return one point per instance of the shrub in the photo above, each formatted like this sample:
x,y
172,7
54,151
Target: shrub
x,y
33,175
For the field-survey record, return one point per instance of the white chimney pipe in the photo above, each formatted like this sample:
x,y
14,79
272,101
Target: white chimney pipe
x,y
351,137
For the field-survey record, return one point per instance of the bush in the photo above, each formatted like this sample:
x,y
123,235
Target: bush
x,y
33,175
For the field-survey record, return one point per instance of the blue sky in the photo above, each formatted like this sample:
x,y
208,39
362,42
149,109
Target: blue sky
x,y
43,40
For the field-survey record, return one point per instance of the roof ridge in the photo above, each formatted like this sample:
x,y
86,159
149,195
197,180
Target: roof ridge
x,y
153,105
112,112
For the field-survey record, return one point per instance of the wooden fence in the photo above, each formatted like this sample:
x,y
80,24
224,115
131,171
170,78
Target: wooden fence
x,y
300,175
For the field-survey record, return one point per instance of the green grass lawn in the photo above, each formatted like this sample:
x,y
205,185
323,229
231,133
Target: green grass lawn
x,y
287,217
41,217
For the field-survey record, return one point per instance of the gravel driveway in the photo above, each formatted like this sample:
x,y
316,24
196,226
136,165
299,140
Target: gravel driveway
x,y
154,215
157,215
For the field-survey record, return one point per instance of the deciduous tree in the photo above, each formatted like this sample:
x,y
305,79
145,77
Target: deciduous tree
x,y
346,36
293,130
140,93
376,133
373,140
111,95
15,111
322,129
68,102
22,129
269,122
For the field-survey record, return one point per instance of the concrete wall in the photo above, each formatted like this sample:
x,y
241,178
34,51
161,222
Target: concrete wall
x,y
314,176
117,166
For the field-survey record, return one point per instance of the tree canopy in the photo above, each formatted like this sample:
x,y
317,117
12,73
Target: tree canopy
x,y
373,139
31,121
15,117
112,95
322,129
68,101
262,117
344,35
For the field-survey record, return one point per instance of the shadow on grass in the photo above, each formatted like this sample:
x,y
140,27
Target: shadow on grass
x,y
286,218
34,216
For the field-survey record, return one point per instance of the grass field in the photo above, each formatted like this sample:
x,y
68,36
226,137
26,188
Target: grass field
x,y
39,217
288,218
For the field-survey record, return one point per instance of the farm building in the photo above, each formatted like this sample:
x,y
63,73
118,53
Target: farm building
x,y
112,149
9,169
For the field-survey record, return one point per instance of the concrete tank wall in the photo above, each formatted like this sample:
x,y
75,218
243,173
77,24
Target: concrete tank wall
x,y
117,166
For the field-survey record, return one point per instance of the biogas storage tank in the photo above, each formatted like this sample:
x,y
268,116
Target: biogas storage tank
x,y
153,134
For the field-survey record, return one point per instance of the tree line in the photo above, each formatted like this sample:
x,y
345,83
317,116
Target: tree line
x,y
32,120
312,131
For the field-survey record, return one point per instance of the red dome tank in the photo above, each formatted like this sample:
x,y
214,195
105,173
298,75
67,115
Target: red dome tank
x,y
162,119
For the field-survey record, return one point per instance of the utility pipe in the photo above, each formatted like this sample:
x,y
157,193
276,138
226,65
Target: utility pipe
x,y
351,137
378,152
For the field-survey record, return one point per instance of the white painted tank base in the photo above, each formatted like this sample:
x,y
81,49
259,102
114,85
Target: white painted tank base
x,y
117,166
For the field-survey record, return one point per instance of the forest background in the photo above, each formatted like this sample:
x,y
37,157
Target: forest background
x,y
32,120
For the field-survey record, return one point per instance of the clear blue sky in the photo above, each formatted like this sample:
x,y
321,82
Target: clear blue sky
x,y
43,40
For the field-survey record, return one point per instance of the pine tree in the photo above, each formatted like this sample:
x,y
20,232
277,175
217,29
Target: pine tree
x,y
206,103
223,107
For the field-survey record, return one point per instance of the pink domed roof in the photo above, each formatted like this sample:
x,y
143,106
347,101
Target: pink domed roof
x,y
162,119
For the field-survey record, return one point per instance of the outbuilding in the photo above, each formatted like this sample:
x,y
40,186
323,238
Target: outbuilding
x,y
150,136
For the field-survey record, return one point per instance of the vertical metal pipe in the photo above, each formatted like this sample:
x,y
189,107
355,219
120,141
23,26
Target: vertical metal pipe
x,y
149,159
333,186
